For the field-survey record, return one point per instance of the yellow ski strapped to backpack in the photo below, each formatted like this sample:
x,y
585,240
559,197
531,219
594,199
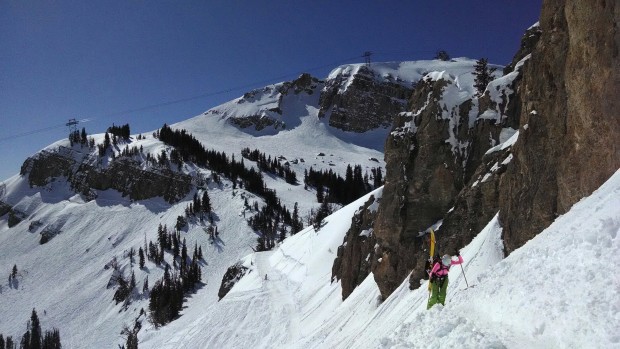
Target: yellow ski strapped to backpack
x,y
432,250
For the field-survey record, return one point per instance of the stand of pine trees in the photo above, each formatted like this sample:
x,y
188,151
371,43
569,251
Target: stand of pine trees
x,y
198,207
120,131
125,287
268,220
76,137
33,338
191,150
273,166
167,295
332,187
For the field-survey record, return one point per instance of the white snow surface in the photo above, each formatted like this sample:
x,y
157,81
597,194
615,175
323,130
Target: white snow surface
x,y
93,233
557,291
507,138
404,73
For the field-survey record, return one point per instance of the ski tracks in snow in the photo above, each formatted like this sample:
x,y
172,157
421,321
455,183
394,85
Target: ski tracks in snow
x,y
283,307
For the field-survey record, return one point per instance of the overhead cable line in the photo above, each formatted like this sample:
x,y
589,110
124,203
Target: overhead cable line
x,y
44,129
214,93
181,100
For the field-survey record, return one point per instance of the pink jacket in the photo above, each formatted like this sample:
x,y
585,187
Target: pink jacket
x,y
441,272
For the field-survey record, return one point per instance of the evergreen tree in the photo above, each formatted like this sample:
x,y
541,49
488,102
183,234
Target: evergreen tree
x,y
83,136
181,223
132,337
51,340
141,257
183,252
153,254
197,204
175,246
106,141
378,177
206,202
123,290
14,271
319,194
132,282
483,75
297,225
35,331
131,254
145,285
25,343
1,341
161,236
324,211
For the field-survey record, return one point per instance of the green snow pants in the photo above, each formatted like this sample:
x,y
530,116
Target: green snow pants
x,y
438,292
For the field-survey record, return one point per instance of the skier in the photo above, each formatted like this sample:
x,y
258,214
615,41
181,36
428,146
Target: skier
x,y
439,278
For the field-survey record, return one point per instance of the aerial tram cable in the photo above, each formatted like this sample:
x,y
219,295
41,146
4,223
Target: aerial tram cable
x,y
73,122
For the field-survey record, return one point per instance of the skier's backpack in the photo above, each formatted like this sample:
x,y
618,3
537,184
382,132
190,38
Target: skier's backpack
x,y
429,265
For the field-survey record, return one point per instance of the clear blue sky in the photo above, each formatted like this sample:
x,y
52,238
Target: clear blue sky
x,y
97,59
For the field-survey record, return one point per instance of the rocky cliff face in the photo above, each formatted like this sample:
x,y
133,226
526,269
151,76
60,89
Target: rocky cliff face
x,y
355,256
432,153
570,127
230,278
368,102
123,175
560,93
441,169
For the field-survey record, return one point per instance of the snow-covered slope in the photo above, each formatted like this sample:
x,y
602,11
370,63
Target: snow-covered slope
x,y
557,291
66,279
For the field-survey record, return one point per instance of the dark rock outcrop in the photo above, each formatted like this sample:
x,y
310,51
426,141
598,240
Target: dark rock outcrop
x,y
367,102
258,122
434,155
431,154
232,275
124,175
570,125
45,166
528,42
48,234
473,208
15,217
4,208
564,103
355,255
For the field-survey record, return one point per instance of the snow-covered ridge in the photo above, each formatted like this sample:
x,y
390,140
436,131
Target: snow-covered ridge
x,y
267,110
403,73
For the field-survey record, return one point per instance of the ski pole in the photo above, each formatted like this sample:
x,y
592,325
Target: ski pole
x,y
463,271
